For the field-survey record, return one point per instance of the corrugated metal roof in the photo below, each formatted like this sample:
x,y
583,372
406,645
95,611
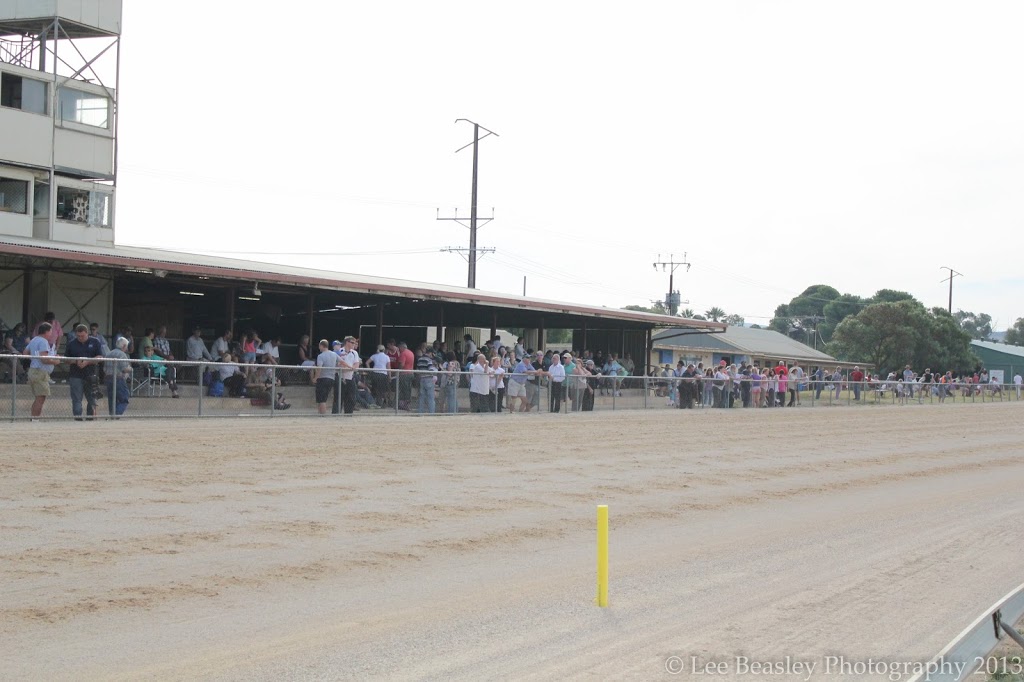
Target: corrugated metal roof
x,y
271,273
1017,351
744,340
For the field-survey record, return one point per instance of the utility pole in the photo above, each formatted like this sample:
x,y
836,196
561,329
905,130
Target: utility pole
x,y
472,251
672,300
952,273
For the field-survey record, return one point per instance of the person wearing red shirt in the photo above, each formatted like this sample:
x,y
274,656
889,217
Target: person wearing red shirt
x,y
406,361
856,377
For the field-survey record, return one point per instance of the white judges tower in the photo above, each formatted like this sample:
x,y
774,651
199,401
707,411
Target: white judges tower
x,y
58,119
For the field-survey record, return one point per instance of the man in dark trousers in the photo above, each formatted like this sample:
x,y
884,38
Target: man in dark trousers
x,y
83,378
687,388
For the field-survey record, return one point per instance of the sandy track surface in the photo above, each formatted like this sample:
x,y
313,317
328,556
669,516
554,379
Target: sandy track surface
x,y
464,548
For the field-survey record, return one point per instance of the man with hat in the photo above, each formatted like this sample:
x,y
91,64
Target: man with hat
x,y
517,385
536,363
571,387
590,372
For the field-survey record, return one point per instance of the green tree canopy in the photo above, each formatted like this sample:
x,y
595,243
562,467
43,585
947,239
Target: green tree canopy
x,y
891,296
838,310
1015,334
715,313
804,311
891,335
978,326
734,320
657,307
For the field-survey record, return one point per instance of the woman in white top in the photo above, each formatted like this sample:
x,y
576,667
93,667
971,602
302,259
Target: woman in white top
x,y
497,400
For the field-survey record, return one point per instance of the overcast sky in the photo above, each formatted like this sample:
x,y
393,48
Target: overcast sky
x,y
779,144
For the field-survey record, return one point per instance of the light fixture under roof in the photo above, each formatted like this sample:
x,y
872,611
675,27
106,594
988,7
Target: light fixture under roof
x,y
191,293
256,289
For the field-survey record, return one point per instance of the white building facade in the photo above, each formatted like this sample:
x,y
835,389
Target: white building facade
x,y
58,146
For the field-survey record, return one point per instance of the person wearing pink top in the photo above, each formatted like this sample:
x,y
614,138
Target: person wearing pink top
x,y
780,393
56,332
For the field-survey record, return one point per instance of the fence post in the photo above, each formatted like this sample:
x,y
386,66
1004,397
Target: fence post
x,y
201,370
273,390
397,379
14,387
646,390
112,368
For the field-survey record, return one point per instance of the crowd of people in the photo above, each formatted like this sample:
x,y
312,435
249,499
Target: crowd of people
x,y
750,385
93,363
498,377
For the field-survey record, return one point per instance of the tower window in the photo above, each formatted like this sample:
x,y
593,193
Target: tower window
x,y
83,206
26,94
13,196
84,107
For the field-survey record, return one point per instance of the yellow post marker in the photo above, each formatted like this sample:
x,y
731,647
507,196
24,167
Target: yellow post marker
x,y
602,555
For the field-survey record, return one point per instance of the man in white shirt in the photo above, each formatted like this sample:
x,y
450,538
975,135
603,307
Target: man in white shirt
x,y
380,362
557,374
326,376
796,378
271,351
1017,380
479,384
348,360
469,347
221,345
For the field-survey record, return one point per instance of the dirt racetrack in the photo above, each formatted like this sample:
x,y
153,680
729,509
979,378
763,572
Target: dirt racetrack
x,y
463,548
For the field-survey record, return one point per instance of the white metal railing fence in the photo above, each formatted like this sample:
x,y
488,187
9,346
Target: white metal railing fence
x,y
969,652
147,388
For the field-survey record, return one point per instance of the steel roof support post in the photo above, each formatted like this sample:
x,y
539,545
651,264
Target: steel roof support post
x,y
380,324
231,309
648,349
494,325
310,312
441,335
540,336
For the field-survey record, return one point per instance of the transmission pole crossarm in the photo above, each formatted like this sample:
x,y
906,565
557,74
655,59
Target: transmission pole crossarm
x,y
478,139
